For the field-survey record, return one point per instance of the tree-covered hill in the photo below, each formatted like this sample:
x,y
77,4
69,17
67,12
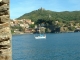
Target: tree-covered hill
x,y
52,15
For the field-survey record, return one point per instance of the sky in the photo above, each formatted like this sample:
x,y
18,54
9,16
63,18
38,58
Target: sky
x,y
20,7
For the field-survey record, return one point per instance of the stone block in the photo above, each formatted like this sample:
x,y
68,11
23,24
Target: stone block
x,y
0,0
4,7
4,12
3,51
5,57
5,1
5,30
4,40
4,46
4,18
4,25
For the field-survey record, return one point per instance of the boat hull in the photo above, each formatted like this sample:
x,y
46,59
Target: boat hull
x,y
44,37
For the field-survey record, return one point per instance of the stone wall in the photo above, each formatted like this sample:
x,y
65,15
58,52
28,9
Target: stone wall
x,y
5,33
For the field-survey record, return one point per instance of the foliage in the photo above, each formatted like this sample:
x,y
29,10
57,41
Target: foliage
x,y
47,19
51,15
71,28
31,26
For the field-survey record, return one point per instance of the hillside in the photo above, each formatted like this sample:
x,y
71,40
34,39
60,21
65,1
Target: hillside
x,y
52,15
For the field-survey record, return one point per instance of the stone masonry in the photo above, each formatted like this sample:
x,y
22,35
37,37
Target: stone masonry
x,y
5,33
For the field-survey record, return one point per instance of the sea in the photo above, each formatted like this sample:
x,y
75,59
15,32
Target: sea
x,y
56,46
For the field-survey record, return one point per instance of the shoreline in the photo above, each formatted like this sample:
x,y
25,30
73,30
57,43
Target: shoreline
x,y
45,33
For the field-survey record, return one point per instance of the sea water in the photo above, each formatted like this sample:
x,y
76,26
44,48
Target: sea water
x,y
60,46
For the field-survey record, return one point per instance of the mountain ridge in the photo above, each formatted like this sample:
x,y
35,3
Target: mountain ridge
x,y
48,14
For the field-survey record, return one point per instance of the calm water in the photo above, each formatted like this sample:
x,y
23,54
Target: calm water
x,y
63,46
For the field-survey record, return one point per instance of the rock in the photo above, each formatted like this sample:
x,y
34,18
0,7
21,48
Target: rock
x,y
4,58
4,18
0,0
4,25
4,12
4,39
4,7
5,1
63,29
4,46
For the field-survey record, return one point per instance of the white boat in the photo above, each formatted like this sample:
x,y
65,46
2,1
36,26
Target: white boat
x,y
42,34
40,37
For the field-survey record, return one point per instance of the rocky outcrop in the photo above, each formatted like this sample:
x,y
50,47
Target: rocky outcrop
x,y
63,29
5,33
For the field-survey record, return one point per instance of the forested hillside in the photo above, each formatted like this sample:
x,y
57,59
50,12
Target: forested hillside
x,y
52,15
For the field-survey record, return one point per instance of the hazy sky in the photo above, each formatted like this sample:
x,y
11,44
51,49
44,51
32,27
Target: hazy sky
x,y
20,7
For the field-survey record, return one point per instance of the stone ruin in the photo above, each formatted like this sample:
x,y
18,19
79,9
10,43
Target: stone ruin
x,y
5,33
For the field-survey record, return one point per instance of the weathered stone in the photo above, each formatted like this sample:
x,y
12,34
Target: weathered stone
x,y
63,29
4,39
4,13
4,7
3,51
7,43
5,30
5,1
4,46
4,57
4,18
0,0
4,25
5,33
